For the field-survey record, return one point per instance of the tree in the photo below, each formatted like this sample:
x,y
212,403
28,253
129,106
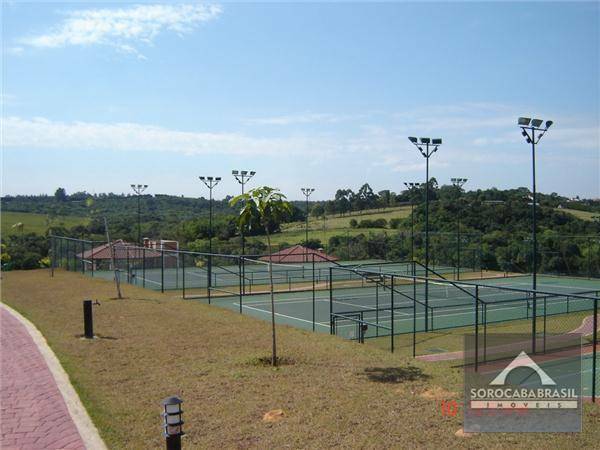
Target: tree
x,y
60,195
269,207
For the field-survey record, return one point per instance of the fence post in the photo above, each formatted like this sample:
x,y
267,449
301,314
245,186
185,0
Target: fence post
x,y
545,314
484,332
144,266
377,308
595,351
414,343
589,257
534,323
313,290
476,326
52,257
392,312
209,278
82,259
162,270
183,275
92,257
240,264
330,302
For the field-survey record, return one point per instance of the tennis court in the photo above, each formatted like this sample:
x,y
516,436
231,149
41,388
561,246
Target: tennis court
x,y
448,306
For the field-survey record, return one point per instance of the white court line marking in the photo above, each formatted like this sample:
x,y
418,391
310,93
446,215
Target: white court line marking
x,y
278,314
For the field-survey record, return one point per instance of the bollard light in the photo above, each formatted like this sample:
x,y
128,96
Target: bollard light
x,y
173,422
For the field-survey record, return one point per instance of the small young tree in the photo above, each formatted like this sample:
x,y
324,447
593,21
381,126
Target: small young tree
x,y
267,206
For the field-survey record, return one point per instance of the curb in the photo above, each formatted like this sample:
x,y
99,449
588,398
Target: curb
x,y
86,428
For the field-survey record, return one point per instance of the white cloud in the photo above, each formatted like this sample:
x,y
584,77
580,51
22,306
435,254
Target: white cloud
x,y
121,27
294,119
44,134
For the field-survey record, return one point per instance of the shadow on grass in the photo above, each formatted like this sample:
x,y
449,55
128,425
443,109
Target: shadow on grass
x,y
395,374
266,361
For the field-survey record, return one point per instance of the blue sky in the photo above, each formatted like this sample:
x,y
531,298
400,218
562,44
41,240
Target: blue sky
x,y
97,96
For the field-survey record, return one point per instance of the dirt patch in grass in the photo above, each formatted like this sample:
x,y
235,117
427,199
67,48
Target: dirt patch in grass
x,y
438,393
167,346
267,361
395,374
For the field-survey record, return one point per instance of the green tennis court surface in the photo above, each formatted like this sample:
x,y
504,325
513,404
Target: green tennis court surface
x,y
449,306
229,276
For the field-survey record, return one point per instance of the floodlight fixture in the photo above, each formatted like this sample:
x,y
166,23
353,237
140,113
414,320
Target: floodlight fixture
x,y
427,147
243,177
307,191
536,123
524,121
139,189
532,133
210,183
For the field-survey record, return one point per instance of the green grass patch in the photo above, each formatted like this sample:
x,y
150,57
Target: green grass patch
x,y
36,223
585,215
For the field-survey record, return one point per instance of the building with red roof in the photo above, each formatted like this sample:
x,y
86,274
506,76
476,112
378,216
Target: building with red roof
x,y
297,254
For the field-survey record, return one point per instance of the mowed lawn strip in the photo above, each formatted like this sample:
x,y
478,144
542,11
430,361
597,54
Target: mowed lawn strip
x,y
153,345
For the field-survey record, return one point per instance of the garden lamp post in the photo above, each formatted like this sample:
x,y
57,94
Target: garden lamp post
x,y
139,189
532,131
210,183
307,192
427,147
172,422
458,183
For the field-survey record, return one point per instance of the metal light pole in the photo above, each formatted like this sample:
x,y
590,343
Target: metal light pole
x,y
307,192
528,130
427,147
210,183
138,189
242,177
411,187
458,183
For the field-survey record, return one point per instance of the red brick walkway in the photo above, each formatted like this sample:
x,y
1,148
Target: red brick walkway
x,y
33,414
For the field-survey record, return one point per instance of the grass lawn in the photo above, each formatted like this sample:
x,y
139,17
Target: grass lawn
x,y
153,345
36,223
293,233
585,215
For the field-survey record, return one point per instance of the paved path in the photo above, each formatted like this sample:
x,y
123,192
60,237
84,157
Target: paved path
x,y
33,412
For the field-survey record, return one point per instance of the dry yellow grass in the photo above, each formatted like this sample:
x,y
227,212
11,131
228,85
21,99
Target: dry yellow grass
x,y
153,345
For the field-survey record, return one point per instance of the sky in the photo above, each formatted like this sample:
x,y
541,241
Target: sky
x,y
97,96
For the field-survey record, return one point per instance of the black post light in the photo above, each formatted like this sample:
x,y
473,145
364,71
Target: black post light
x,y
458,183
412,186
307,191
139,189
172,422
427,147
532,130
210,183
242,177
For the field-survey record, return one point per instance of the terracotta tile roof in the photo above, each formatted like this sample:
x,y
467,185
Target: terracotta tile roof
x,y
122,250
298,253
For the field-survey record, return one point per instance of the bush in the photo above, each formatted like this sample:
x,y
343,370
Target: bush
x,y
353,223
